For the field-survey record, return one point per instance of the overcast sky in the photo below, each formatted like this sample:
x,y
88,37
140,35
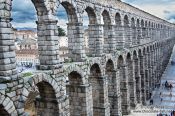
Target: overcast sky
x,y
24,15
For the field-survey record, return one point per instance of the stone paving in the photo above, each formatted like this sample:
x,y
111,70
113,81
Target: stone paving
x,y
168,102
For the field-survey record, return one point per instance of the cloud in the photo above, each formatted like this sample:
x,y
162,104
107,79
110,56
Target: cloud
x,y
164,9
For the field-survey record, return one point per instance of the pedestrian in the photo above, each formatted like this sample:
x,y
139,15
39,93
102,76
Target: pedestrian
x,y
161,99
150,94
160,94
151,102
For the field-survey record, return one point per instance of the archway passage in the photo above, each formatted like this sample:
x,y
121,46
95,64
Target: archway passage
x,y
108,30
80,96
98,85
3,112
43,103
112,88
47,103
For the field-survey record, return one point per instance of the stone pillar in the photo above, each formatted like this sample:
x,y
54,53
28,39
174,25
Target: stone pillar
x,y
114,95
152,70
143,80
120,36
146,76
125,102
8,70
76,42
102,108
95,40
109,39
138,79
48,44
132,84
80,98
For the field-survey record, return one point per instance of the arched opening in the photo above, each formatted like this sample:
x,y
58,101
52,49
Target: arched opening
x,y
97,83
146,30
137,76
127,32
143,29
73,39
3,112
94,42
42,102
133,27
24,30
118,19
107,31
131,80
125,102
77,94
112,87
119,31
138,31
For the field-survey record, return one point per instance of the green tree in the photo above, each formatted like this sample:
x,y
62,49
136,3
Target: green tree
x,y
61,31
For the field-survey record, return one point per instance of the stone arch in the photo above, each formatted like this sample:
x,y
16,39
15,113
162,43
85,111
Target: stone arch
x,y
127,32
118,19
106,17
126,21
133,27
142,23
107,31
131,80
91,14
71,11
125,102
7,106
143,28
98,89
41,89
95,43
74,31
75,68
137,76
138,23
112,87
77,94
146,23
40,6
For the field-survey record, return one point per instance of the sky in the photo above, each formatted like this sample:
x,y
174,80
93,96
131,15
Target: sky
x,y
24,13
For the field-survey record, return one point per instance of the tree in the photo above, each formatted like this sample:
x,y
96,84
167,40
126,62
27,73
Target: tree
x,y
61,31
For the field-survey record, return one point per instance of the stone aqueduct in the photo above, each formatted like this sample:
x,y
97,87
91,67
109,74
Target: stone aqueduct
x,y
126,58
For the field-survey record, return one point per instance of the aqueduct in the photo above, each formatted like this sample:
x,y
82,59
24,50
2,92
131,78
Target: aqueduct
x,y
126,58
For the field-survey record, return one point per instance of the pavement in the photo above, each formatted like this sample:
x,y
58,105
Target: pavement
x,y
168,102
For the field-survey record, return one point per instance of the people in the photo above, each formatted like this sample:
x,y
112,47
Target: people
x,y
161,99
151,101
